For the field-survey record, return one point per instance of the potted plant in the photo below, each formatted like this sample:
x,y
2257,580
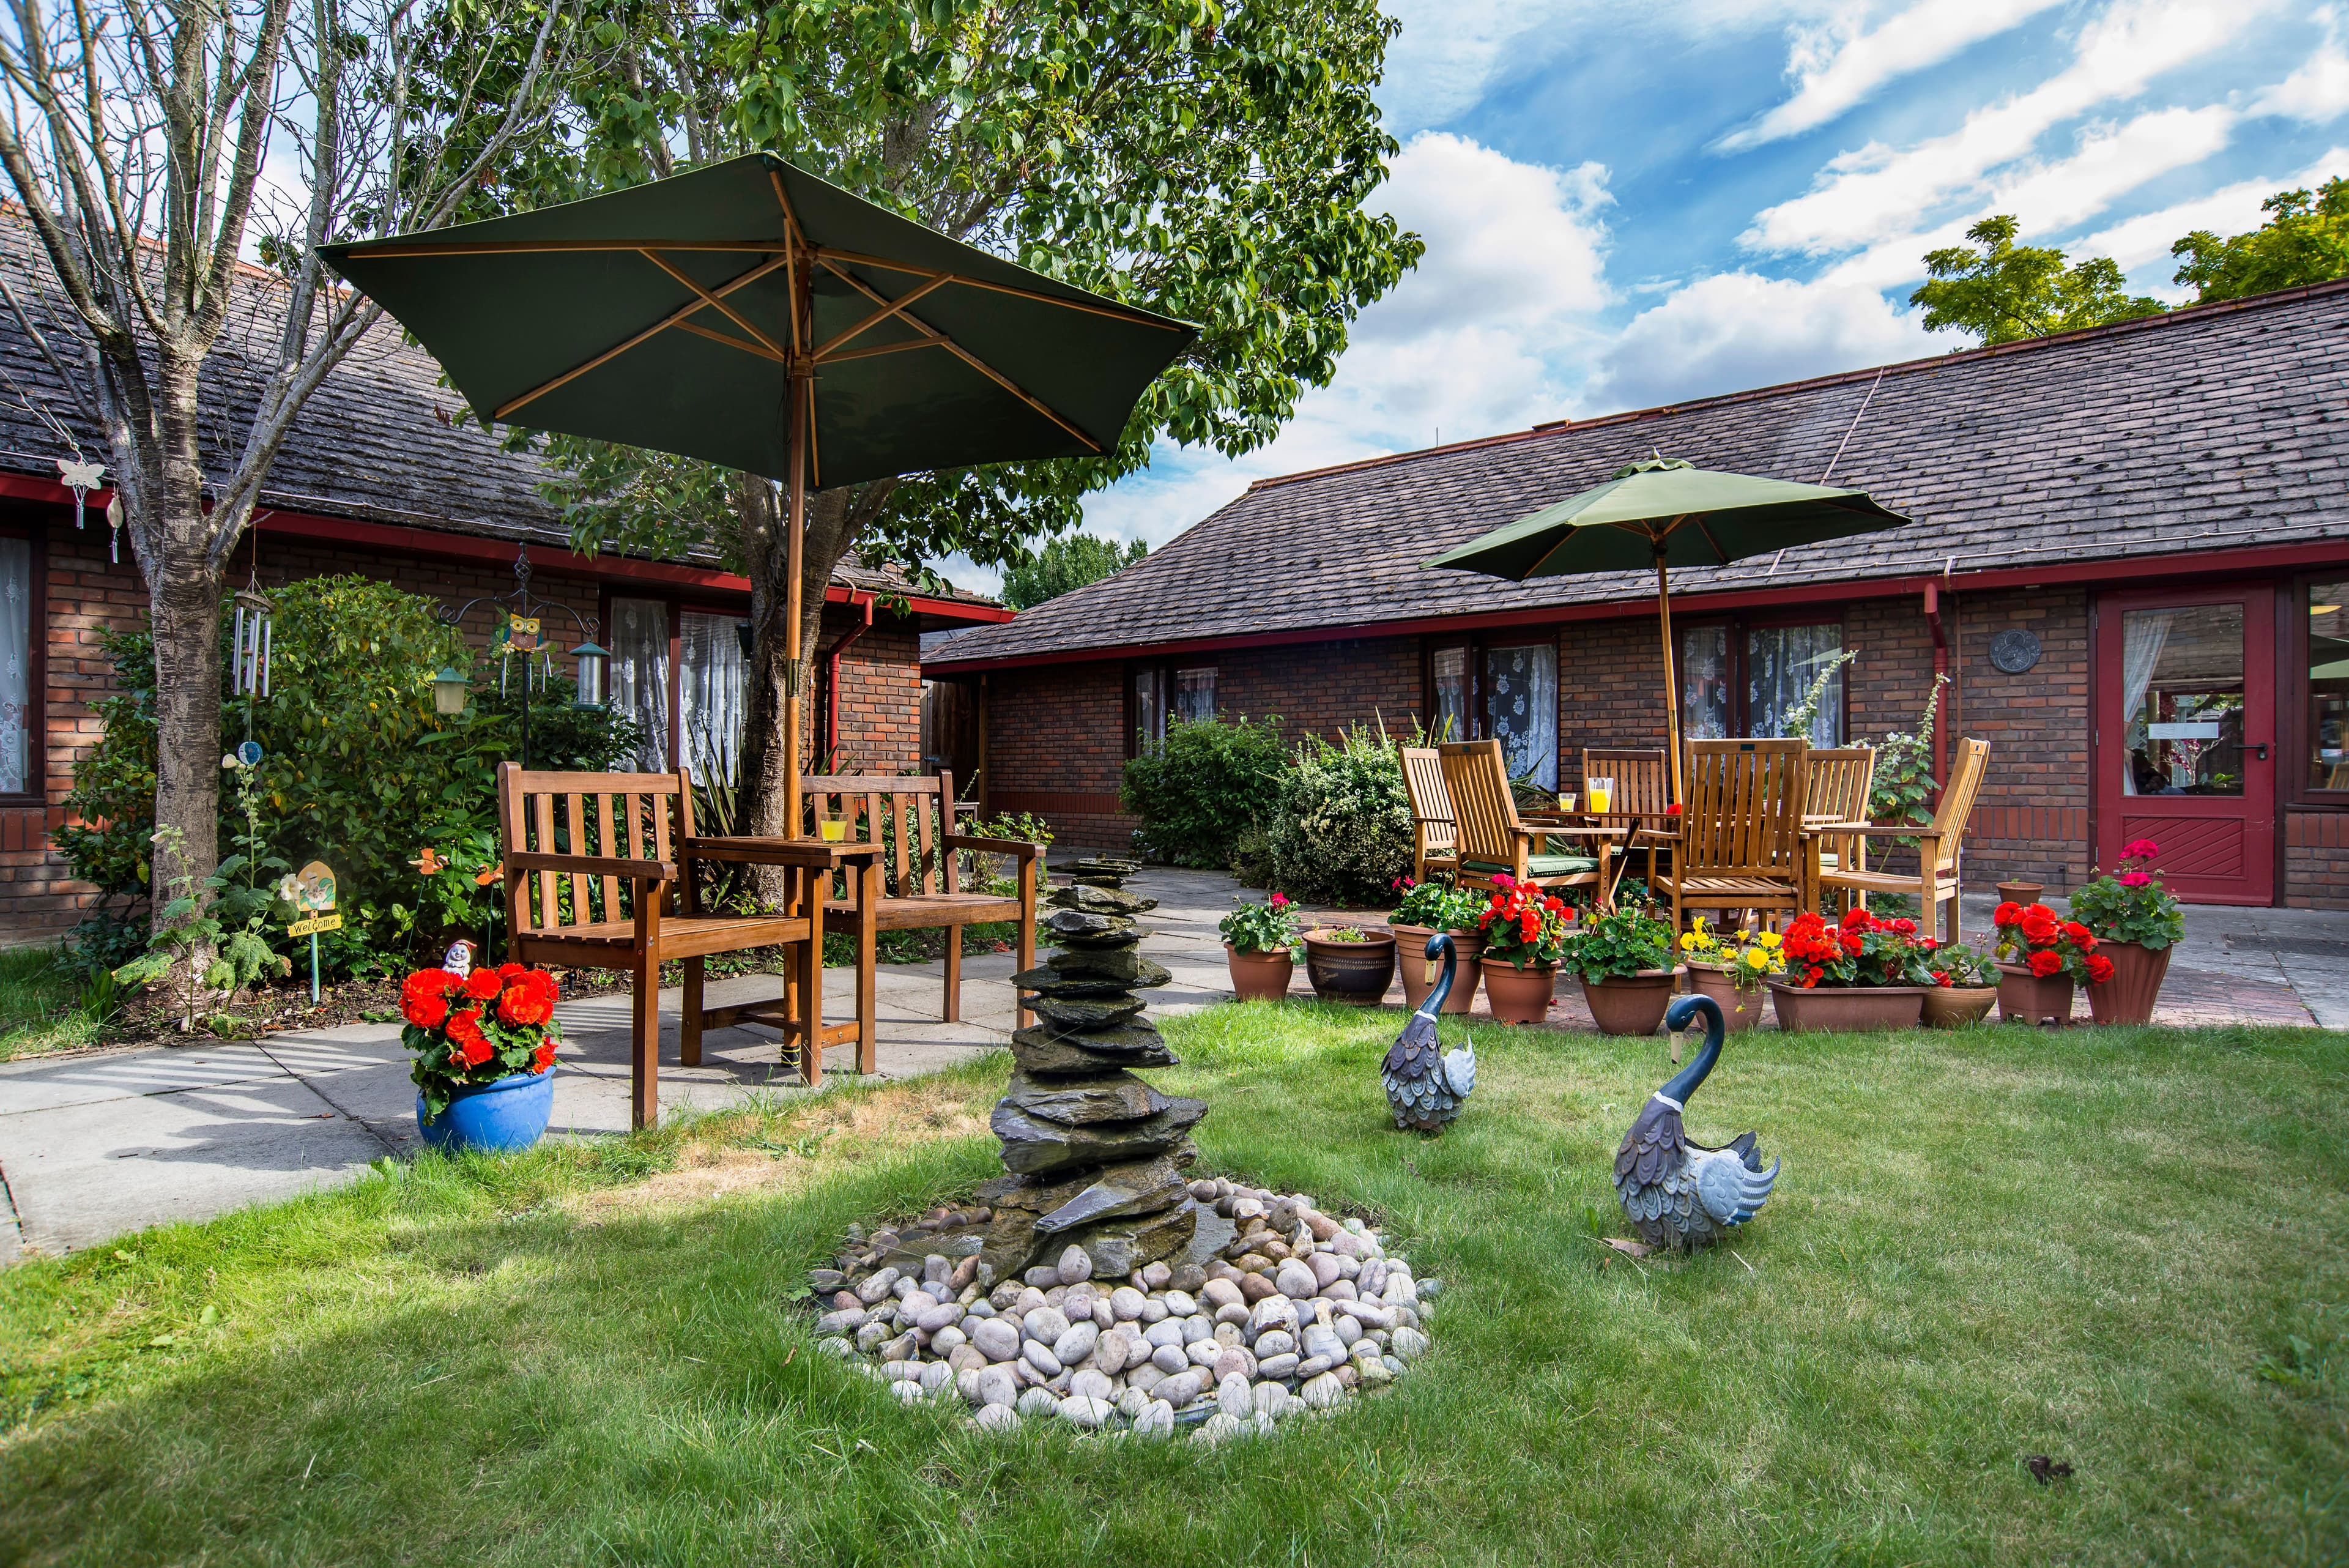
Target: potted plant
x,y
1260,948
1525,933
1965,984
1860,972
2135,923
1730,968
484,1045
2042,957
1349,965
1624,960
1426,908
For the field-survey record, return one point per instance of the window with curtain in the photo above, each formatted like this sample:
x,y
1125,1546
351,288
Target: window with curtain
x,y
1521,706
1781,664
1449,666
2328,685
2182,701
1149,707
1704,682
640,676
710,679
16,706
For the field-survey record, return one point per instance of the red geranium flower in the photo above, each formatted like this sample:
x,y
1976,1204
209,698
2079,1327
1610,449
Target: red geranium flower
x,y
2140,849
2044,964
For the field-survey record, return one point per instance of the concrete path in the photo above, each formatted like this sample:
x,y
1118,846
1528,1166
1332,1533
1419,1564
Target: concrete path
x,y
101,1143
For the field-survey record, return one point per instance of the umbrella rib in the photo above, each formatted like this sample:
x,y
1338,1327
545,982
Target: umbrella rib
x,y
724,309
731,341
823,350
671,320
394,252
796,239
868,353
966,357
828,254
1719,554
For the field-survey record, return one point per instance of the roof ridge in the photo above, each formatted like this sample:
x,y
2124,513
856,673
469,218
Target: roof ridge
x,y
2184,313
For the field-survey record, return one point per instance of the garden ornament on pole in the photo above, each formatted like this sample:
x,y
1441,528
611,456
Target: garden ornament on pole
x,y
1661,511
752,315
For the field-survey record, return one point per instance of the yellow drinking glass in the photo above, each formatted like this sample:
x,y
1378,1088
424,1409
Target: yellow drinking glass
x,y
1566,804
1602,793
831,832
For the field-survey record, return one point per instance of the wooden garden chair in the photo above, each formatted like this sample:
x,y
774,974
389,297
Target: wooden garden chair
x,y
910,819
1740,844
1839,788
1434,849
1494,842
599,874
1940,847
1643,788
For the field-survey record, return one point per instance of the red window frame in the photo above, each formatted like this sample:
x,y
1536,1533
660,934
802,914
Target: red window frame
x,y
36,670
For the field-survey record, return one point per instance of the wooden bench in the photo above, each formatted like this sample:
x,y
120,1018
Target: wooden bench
x,y
599,875
909,817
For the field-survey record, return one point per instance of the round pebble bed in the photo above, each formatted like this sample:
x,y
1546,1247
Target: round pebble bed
x,y
1295,1314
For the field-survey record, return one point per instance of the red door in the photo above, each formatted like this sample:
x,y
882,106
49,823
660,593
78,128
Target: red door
x,y
2185,734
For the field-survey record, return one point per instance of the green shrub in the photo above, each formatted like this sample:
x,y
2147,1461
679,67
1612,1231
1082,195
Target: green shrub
x,y
1197,791
357,770
1340,832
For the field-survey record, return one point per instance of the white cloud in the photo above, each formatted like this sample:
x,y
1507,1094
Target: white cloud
x,y
1736,330
1879,192
2229,210
1838,66
2319,91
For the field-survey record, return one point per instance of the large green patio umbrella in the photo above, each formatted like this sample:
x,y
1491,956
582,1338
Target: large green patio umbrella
x,y
1662,511
755,315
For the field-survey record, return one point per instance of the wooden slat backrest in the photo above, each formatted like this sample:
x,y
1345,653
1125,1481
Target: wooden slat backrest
x,y
1643,784
1839,784
1743,817
902,812
1430,803
626,815
1958,797
1483,813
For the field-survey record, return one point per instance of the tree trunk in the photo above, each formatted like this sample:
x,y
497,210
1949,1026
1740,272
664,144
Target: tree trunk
x,y
184,612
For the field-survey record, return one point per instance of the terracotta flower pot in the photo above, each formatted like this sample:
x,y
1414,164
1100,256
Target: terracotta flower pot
x,y
1631,1004
1357,974
1954,1006
2033,999
1259,976
1419,974
1847,1009
1739,1008
1518,996
2128,997
2020,892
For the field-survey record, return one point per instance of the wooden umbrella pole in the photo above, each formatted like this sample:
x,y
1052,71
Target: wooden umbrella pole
x,y
1672,682
803,388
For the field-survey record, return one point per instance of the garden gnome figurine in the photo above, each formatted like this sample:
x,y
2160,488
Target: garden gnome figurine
x,y
458,959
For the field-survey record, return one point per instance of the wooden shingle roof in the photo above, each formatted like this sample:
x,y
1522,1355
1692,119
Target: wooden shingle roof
x,y
2208,428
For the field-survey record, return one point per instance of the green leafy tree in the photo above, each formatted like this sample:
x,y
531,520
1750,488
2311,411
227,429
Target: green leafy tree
x,y
2002,291
1210,162
1062,565
2306,240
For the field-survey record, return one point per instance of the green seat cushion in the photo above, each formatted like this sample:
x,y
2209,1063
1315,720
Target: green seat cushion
x,y
1538,866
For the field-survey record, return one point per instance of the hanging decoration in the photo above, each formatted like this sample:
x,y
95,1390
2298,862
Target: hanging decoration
x,y
251,643
520,630
81,478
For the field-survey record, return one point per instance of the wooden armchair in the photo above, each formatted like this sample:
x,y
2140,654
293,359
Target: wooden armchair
x,y
599,875
1493,842
1939,847
1840,784
1434,843
1740,844
1643,788
910,819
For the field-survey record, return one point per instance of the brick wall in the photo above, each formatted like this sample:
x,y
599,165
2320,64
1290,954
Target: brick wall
x,y
2031,820
880,692
1324,687
1056,747
2316,859
1611,690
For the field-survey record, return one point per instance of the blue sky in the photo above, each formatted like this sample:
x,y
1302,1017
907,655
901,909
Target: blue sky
x,y
1631,201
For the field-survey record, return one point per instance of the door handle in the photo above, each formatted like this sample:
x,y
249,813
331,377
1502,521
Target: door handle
x,y
2261,747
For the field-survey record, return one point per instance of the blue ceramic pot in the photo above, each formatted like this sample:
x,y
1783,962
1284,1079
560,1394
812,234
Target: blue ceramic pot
x,y
495,1118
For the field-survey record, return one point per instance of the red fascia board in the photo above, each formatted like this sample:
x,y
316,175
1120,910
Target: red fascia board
x,y
1695,605
392,537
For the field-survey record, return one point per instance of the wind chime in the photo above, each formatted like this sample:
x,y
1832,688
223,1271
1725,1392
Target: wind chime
x,y
250,639
81,478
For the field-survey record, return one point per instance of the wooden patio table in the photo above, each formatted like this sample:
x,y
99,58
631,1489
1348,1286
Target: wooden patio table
x,y
811,862
1585,823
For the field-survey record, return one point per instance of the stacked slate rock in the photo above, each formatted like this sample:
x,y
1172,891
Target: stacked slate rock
x,y
1298,1312
1096,1156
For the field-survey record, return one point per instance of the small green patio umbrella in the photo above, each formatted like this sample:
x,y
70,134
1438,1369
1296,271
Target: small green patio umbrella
x,y
1663,512
755,315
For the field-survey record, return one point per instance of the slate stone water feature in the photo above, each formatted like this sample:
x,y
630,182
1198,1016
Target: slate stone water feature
x,y
1095,1155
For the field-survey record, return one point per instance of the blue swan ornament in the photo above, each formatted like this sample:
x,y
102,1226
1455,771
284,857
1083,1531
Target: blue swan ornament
x,y
1425,1085
1680,1194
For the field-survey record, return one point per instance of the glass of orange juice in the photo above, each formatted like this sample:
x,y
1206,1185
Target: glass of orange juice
x,y
833,831
1602,793
1566,804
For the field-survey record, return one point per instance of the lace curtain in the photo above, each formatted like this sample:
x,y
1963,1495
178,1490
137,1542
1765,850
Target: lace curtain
x,y
1704,683
709,695
1781,662
16,659
640,676
1521,697
2144,634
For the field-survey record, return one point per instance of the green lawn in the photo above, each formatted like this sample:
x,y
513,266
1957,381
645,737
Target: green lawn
x,y
2126,1249
40,1004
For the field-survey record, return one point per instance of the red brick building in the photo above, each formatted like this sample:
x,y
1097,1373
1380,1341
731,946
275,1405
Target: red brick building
x,y
380,478
2129,554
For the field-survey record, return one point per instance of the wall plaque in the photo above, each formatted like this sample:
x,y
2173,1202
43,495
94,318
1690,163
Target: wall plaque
x,y
2015,650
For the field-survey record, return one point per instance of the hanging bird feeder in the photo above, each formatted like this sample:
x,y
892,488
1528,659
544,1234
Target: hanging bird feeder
x,y
252,644
595,664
